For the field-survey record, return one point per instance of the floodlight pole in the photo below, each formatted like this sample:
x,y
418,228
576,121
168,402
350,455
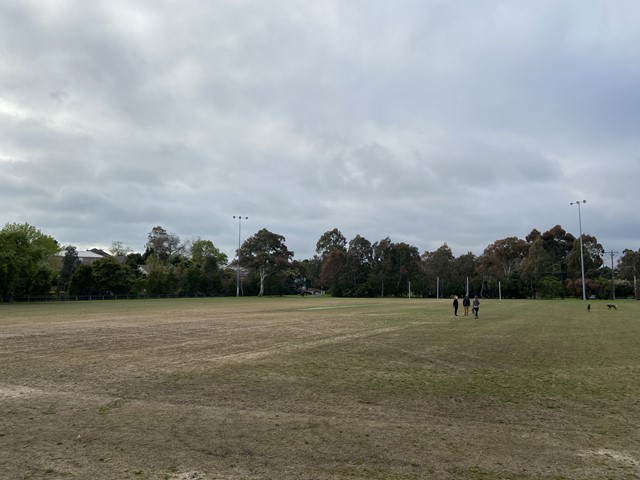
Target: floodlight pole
x,y
239,217
584,288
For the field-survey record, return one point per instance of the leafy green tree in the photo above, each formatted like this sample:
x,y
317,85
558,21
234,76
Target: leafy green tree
x,y
406,266
382,265
42,280
230,284
500,261
119,249
112,277
592,258
330,242
162,280
550,287
629,265
392,266
82,281
533,236
193,280
27,257
200,274
439,265
503,257
558,244
358,266
624,288
307,272
297,277
333,273
162,245
465,267
331,248
212,275
200,250
265,252
536,266
135,261
203,278
513,286
70,262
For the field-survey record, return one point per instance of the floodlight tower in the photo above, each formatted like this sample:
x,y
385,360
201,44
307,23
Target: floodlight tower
x,y
584,288
239,217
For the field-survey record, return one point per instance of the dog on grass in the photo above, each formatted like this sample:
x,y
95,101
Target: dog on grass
x,y
611,305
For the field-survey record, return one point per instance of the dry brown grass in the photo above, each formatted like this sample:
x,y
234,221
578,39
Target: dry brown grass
x,y
318,388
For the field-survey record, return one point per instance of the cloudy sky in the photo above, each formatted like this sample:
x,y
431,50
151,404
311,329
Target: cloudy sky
x,y
425,121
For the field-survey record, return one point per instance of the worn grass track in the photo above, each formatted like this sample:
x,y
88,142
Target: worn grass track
x,y
319,388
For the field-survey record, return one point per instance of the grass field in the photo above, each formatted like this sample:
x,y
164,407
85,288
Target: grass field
x,y
319,388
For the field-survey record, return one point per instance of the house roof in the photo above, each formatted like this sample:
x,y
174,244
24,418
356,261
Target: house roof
x,y
100,252
85,256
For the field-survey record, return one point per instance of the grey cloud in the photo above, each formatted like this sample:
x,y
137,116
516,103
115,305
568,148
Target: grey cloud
x,y
432,121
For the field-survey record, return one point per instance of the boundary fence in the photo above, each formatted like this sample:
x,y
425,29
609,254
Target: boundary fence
x,y
85,298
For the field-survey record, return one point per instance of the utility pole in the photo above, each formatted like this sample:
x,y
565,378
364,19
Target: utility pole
x,y
613,285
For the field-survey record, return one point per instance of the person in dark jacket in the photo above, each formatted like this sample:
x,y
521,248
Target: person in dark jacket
x,y
455,305
466,303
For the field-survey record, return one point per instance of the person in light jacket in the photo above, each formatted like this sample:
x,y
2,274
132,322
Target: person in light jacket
x,y
476,305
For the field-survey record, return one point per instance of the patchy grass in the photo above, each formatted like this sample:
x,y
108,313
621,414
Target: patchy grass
x,y
319,388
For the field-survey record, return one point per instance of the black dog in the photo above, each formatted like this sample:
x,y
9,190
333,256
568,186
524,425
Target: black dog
x,y
589,308
611,305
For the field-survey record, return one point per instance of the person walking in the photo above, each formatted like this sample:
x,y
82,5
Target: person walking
x,y
466,303
476,305
455,305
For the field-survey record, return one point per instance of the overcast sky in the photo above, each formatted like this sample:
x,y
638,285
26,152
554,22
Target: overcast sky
x,y
425,121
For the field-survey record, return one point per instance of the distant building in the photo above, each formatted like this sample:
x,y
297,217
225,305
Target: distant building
x,y
87,257
102,253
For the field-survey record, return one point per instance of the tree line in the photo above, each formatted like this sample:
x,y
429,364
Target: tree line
x,y
542,265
